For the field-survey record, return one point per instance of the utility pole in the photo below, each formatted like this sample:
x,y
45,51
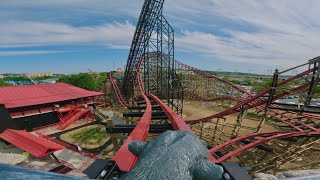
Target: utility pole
x,y
236,72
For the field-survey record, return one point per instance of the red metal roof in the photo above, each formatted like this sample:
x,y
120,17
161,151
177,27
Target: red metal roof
x,y
21,96
35,145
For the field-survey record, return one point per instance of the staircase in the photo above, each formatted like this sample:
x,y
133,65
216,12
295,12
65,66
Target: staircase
x,y
72,116
100,115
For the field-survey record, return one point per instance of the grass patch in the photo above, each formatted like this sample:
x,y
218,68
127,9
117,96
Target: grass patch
x,y
90,136
260,116
254,115
224,106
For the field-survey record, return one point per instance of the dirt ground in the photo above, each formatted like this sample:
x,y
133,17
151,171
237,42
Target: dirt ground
x,y
67,137
195,110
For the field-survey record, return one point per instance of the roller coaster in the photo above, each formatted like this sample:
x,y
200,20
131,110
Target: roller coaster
x,y
156,86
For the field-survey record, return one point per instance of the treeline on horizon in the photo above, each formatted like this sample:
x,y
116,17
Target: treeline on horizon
x,y
226,73
95,81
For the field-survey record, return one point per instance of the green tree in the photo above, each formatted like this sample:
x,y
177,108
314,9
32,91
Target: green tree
x,y
235,81
267,83
82,80
317,93
18,78
65,79
248,81
43,78
260,86
101,79
3,83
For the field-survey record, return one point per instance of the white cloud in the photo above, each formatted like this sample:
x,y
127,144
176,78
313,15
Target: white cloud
x,y
25,33
23,53
273,32
259,48
77,8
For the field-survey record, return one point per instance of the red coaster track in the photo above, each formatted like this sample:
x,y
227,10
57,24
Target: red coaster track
x,y
165,83
236,145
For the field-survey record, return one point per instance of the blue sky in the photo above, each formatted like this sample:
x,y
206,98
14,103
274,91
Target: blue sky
x,y
68,36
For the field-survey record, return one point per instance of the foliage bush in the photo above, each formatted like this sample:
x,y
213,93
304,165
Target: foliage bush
x,y
2,83
92,82
90,136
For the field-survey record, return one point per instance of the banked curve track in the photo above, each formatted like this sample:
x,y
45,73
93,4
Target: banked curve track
x,y
235,146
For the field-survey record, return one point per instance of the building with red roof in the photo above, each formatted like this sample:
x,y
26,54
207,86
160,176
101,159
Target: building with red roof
x,y
32,106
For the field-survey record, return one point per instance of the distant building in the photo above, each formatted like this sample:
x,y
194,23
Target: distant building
x,y
48,81
11,75
1,76
35,75
18,83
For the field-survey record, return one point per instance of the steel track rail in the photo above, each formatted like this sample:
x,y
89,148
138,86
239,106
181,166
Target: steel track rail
x,y
176,121
124,158
117,91
245,102
235,86
266,137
